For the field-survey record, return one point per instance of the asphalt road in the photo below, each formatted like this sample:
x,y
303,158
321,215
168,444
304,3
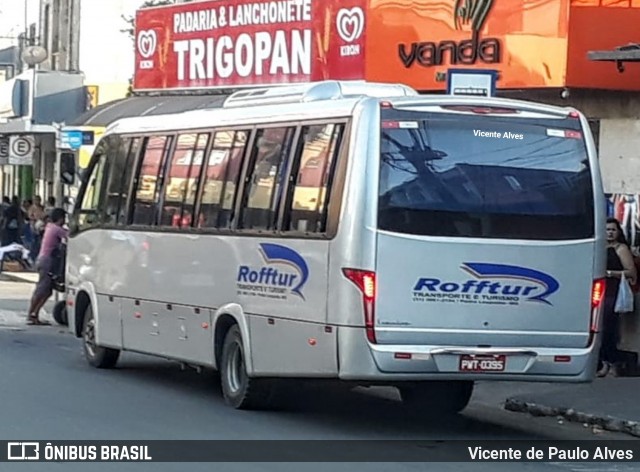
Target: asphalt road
x,y
49,392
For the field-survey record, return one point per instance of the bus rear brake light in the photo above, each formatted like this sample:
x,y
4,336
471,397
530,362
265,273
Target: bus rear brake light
x,y
597,292
365,280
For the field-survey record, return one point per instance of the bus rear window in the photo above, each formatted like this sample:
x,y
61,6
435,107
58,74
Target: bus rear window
x,y
484,177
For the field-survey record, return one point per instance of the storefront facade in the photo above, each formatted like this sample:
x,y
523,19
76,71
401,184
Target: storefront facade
x,y
32,107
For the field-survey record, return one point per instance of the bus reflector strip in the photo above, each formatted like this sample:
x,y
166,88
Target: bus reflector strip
x,y
400,125
562,359
402,355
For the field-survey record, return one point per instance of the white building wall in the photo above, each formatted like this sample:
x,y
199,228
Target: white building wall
x,y
87,35
620,155
12,19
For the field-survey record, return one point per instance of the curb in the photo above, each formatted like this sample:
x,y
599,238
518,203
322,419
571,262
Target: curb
x,y
607,423
12,277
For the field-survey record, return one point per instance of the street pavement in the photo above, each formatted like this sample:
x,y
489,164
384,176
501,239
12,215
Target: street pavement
x,y
48,392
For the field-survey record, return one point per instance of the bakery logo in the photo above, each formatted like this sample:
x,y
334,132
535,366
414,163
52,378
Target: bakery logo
x,y
468,15
147,43
350,25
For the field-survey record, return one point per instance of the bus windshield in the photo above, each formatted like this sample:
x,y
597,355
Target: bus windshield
x,y
484,176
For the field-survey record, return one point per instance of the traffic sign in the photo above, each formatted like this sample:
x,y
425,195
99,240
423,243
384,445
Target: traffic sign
x,y
21,150
71,139
474,82
4,151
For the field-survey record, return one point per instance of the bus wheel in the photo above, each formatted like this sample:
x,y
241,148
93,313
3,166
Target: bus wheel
x,y
238,389
60,313
438,397
100,357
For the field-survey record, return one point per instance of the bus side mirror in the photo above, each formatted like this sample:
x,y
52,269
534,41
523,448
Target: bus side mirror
x,y
67,168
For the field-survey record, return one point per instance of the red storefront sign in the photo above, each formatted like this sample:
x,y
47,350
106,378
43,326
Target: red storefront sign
x,y
235,43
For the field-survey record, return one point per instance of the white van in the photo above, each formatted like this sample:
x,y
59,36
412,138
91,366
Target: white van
x,y
345,230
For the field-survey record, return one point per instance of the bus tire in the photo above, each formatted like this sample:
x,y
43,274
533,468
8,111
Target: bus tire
x,y
60,313
437,398
238,389
99,357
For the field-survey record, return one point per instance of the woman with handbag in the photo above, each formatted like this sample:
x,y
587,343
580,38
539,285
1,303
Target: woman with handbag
x,y
620,267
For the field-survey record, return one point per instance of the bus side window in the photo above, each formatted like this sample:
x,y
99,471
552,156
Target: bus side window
x,y
129,172
182,180
221,176
117,151
314,168
88,212
265,178
146,196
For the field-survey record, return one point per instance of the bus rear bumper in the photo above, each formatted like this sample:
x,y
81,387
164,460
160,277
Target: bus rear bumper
x,y
378,363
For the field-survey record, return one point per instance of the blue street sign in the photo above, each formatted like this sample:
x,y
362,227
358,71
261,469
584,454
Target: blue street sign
x,y
88,138
72,139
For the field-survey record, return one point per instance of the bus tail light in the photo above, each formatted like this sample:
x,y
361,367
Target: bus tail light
x,y
597,292
597,296
365,280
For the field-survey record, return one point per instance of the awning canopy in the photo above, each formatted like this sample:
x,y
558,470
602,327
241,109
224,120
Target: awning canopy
x,y
104,115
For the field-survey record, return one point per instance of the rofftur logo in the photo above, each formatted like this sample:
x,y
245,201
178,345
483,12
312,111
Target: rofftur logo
x,y
350,23
147,42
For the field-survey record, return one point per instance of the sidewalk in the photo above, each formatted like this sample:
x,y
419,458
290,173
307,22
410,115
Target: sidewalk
x,y
611,403
28,277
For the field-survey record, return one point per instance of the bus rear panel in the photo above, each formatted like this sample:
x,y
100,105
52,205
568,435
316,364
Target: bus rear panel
x,y
486,246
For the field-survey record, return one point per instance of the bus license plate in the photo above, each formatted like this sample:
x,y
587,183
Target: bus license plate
x,y
471,363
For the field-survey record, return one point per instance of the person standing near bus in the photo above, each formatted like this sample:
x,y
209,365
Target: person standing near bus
x,y
54,235
36,219
619,262
13,220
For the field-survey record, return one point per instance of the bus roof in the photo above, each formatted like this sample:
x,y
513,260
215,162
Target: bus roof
x,y
319,100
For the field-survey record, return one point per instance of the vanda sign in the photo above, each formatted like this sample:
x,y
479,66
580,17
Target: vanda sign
x,y
468,14
235,43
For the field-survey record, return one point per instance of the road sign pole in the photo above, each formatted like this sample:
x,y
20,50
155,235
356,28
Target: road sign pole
x,y
57,183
